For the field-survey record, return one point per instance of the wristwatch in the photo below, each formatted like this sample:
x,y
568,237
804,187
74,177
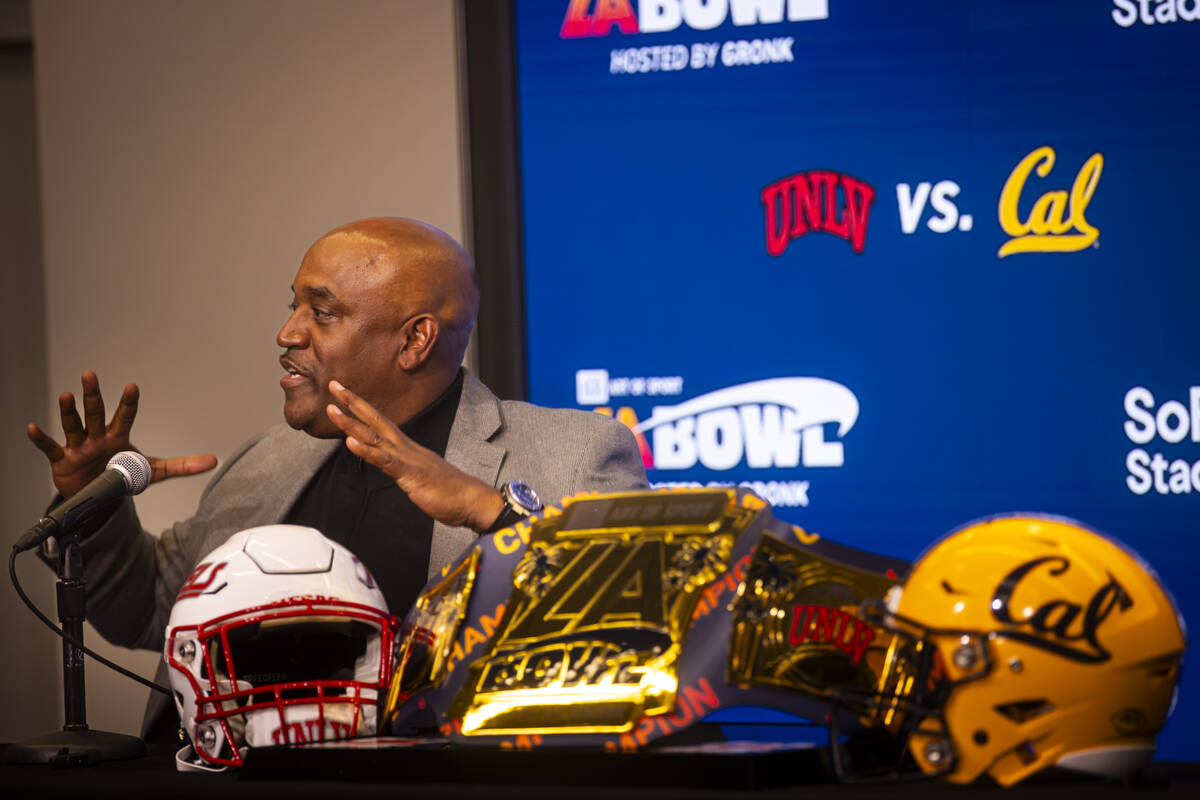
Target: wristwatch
x,y
520,500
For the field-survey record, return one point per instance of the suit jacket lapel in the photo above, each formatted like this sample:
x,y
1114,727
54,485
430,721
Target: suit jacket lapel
x,y
469,449
478,419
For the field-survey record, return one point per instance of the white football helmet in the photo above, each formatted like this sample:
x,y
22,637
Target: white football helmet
x,y
278,636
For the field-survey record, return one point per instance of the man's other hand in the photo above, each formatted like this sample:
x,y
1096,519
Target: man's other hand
x,y
441,490
89,443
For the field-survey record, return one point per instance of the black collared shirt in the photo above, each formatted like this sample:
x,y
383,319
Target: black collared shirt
x,y
355,504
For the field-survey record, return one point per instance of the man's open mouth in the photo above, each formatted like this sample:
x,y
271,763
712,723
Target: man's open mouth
x,y
295,376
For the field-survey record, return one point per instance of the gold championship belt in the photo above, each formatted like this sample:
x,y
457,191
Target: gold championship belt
x,y
624,618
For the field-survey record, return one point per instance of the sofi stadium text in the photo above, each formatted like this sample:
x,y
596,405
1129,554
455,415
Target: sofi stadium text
x,y
1173,423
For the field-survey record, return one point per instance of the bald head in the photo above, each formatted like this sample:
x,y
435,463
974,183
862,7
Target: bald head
x,y
384,305
422,269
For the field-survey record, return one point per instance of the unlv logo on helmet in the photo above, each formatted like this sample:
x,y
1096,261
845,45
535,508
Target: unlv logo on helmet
x,y
201,581
1057,623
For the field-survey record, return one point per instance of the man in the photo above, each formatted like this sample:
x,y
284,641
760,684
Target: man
x,y
382,311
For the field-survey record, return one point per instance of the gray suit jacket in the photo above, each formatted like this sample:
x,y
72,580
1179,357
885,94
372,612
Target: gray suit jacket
x,y
133,577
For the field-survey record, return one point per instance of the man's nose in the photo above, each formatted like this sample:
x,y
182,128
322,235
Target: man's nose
x,y
292,334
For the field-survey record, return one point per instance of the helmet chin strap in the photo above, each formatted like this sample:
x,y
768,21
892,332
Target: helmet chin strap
x,y
302,723
1115,761
307,723
186,760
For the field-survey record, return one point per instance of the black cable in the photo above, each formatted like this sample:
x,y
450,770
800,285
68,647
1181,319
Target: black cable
x,y
12,573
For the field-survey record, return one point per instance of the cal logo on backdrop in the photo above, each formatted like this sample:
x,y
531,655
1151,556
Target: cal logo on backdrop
x,y
1057,222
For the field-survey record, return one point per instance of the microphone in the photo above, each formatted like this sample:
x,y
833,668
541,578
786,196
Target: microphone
x,y
128,472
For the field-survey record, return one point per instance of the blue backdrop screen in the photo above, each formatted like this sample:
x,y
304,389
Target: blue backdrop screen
x,y
896,266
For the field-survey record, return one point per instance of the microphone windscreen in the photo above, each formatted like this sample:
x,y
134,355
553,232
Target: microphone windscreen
x,y
134,467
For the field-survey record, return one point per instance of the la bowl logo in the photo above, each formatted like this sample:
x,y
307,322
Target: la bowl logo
x,y
600,17
779,422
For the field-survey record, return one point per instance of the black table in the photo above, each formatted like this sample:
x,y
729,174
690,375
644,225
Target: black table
x,y
531,775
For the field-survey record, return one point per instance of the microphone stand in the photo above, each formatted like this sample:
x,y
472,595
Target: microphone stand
x,y
76,744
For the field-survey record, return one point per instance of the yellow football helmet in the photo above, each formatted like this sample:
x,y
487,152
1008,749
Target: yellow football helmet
x,y
1024,642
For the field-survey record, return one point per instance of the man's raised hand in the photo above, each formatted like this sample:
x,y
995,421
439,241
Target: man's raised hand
x,y
435,486
89,443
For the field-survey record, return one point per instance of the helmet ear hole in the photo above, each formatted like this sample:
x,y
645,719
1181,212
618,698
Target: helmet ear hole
x,y
950,589
1024,710
1164,669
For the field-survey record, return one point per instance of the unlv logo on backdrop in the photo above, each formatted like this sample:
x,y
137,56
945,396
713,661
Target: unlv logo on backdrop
x,y
1057,623
817,200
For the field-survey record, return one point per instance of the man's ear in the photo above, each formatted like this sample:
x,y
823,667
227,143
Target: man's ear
x,y
418,336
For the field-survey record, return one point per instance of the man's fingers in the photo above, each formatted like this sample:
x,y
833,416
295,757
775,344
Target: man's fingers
x,y
51,448
359,407
374,431
385,458
353,427
72,425
375,428
123,417
93,405
363,451
163,468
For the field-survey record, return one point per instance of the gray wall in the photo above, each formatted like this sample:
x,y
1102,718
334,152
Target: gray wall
x,y
190,152
30,677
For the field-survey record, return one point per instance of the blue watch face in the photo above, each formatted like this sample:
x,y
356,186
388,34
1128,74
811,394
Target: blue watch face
x,y
526,496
